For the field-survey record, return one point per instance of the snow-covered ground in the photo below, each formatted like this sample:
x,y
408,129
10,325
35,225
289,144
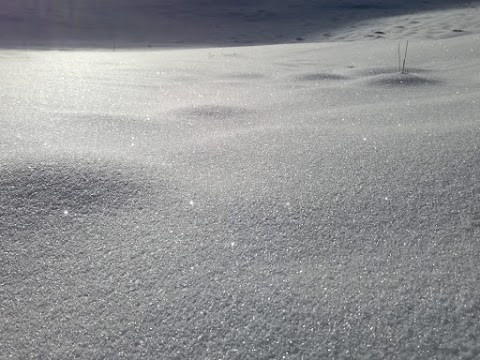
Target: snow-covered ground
x,y
288,201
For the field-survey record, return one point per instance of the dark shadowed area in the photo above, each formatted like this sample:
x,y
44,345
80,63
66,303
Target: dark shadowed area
x,y
150,23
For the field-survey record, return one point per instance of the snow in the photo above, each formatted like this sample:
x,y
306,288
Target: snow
x,y
292,200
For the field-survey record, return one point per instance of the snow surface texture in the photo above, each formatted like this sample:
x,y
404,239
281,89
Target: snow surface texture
x,y
296,201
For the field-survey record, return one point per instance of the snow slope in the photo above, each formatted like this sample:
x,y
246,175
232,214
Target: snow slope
x,y
297,201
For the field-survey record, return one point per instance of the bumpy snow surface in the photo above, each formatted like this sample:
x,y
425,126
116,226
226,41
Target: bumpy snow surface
x,y
291,201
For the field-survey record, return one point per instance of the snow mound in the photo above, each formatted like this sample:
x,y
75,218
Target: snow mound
x,y
400,79
39,194
320,77
211,112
